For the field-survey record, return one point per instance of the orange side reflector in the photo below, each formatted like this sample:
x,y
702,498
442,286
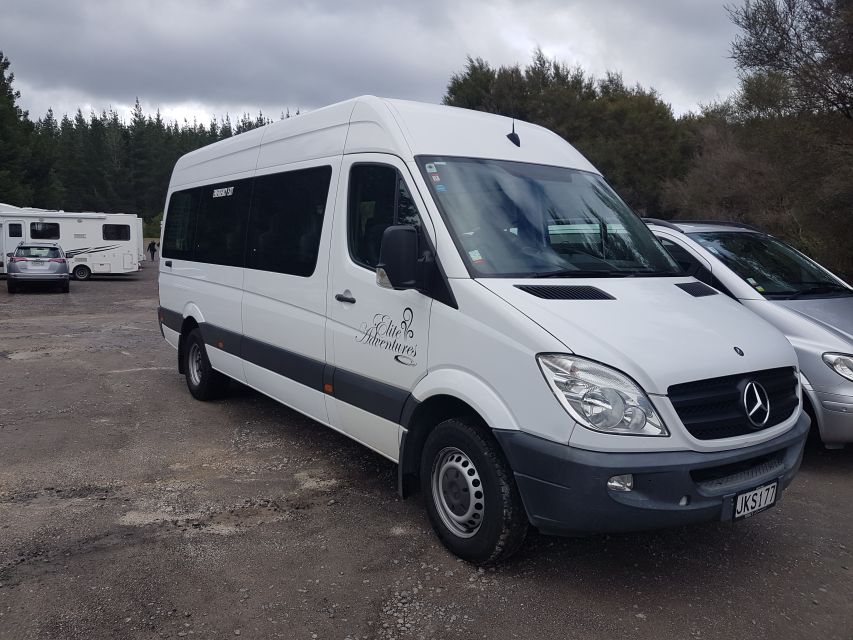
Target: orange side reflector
x,y
220,344
328,388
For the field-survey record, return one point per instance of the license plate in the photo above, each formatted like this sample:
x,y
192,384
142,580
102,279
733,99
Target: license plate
x,y
751,502
38,263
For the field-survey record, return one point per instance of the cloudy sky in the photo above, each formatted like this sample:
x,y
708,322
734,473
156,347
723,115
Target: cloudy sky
x,y
205,57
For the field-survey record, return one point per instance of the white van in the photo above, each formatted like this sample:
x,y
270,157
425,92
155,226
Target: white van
x,y
99,243
468,297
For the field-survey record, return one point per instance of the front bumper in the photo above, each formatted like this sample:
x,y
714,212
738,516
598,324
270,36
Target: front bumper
x,y
835,419
564,489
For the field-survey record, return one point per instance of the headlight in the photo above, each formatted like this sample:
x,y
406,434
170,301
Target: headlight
x,y
600,398
841,363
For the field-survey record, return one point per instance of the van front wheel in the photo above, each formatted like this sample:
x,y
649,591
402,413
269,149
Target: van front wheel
x,y
470,493
203,381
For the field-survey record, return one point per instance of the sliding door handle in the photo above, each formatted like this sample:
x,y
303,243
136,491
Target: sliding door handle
x,y
340,297
168,263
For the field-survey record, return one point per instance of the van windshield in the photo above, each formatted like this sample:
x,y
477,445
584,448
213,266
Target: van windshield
x,y
770,266
514,219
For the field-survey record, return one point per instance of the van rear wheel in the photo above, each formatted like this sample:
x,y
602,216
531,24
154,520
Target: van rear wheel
x,y
82,272
470,493
203,381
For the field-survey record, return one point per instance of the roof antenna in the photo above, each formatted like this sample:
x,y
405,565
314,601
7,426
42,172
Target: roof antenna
x,y
513,137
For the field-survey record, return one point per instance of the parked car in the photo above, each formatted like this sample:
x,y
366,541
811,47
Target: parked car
x,y
466,295
812,306
37,263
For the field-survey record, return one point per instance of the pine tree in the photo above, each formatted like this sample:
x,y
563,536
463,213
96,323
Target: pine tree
x,y
15,129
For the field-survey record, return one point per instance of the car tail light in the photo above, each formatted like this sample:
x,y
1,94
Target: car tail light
x,y
60,260
17,259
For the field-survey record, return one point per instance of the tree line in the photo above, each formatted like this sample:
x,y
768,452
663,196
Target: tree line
x,y
99,161
778,153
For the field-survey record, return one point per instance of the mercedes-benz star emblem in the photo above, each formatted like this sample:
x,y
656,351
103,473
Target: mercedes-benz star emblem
x,y
757,404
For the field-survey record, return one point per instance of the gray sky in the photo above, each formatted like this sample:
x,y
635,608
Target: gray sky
x,y
203,57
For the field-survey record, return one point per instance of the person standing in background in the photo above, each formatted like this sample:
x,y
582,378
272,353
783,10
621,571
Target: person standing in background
x,y
152,249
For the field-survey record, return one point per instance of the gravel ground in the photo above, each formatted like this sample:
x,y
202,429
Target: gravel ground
x,y
129,510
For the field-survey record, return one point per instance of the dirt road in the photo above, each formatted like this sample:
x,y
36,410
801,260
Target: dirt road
x,y
129,510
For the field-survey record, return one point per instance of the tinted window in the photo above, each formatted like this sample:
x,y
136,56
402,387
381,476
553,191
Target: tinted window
x,y
179,232
116,232
38,252
684,259
44,230
692,266
16,230
286,221
378,198
220,234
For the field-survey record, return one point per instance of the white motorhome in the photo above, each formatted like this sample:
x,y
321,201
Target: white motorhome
x,y
94,243
468,297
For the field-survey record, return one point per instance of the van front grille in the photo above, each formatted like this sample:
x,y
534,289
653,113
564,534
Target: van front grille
x,y
714,408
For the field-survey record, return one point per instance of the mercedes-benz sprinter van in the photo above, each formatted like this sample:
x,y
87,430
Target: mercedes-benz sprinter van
x,y
467,296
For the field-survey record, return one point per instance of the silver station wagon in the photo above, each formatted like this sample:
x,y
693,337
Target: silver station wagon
x,y
810,305
37,263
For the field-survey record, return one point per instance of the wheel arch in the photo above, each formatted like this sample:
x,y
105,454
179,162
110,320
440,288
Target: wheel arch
x,y
187,325
810,405
440,396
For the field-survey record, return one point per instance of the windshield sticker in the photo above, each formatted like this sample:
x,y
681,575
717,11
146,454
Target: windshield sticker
x,y
224,192
430,168
441,188
395,337
476,257
435,177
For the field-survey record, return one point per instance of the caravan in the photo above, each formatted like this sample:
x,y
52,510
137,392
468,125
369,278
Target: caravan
x,y
94,243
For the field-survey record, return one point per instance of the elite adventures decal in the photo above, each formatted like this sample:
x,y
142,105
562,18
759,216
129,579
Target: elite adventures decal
x,y
397,337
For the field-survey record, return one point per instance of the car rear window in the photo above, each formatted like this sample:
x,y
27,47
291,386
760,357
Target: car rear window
x,y
38,252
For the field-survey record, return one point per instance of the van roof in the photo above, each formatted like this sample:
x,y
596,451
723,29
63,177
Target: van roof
x,y
368,124
32,212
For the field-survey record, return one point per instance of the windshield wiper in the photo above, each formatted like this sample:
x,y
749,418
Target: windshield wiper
x,y
578,273
649,274
616,273
823,288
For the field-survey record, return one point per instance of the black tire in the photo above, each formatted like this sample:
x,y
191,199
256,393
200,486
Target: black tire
x,y
81,272
203,381
11,287
498,524
66,287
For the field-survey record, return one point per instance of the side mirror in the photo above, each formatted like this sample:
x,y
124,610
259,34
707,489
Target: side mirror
x,y
9,255
398,258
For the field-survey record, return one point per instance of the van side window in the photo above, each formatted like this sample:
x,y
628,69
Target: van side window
x,y
44,230
378,198
220,234
115,232
691,266
286,221
16,230
686,261
179,232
